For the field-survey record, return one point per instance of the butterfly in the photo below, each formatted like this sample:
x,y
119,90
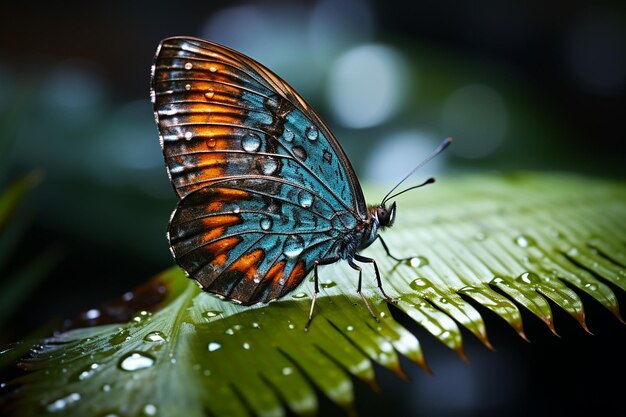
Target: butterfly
x,y
266,192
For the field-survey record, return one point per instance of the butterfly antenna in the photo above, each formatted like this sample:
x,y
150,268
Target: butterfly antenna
x,y
443,145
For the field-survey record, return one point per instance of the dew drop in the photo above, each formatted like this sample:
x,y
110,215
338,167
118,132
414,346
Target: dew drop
x,y
328,284
150,410
209,94
291,326
135,361
236,209
106,388
281,281
257,279
529,278
141,316
572,251
418,261
188,135
524,241
418,284
155,336
269,166
62,403
251,143
246,346
211,142
212,313
187,87
590,286
212,68
299,152
498,280
287,371
293,246
349,328
188,65
299,295
305,199
312,133
256,325
87,372
266,223
288,135
213,346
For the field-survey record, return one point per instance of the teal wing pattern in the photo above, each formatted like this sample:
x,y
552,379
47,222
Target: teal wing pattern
x,y
265,188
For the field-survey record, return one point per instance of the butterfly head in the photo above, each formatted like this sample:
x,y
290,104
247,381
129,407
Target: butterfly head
x,y
385,216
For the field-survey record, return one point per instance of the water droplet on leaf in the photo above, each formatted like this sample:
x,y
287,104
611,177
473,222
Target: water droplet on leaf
x,y
213,346
155,336
62,403
135,361
299,295
524,241
418,261
150,410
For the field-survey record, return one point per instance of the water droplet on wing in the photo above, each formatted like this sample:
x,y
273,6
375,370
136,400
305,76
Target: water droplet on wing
x,y
251,143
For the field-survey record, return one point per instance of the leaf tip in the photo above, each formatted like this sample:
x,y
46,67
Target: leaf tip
x,y
461,352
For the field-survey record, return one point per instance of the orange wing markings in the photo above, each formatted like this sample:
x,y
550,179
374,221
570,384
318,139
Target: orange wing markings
x,y
247,264
275,273
297,274
217,225
231,194
220,221
221,247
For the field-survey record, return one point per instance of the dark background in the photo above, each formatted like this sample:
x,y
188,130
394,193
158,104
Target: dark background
x,y
520,85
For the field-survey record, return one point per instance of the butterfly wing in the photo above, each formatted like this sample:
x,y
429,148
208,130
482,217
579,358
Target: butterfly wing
x,y
265,187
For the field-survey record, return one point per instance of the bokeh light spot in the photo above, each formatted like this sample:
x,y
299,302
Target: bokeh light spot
x,y
367,85
395,156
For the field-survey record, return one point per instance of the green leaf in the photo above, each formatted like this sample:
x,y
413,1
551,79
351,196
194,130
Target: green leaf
x,y
530,241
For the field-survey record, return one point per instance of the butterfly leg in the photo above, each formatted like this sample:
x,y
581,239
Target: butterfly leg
x,y
316,287
379,282
389,253
358,288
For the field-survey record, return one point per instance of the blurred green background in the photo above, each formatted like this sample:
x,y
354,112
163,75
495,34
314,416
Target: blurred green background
x,y
519,85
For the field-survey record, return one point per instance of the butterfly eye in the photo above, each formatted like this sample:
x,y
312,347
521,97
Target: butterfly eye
x,y
383,216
